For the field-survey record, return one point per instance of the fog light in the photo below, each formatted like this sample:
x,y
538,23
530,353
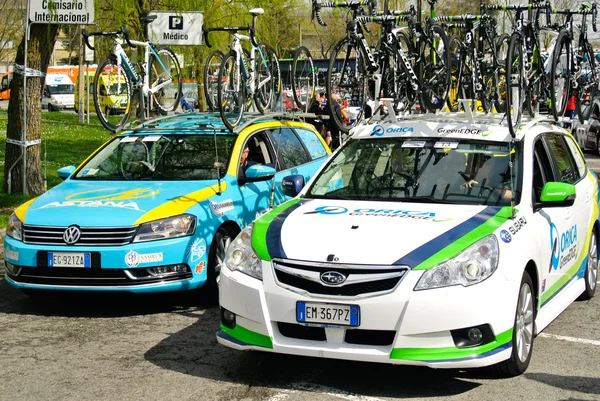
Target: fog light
x,y
227,318
475,335
12,269
162,271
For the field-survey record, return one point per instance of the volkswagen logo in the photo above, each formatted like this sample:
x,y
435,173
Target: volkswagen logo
x,y
72,235
333,278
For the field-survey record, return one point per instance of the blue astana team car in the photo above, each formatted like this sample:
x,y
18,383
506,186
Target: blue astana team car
x,y
154,209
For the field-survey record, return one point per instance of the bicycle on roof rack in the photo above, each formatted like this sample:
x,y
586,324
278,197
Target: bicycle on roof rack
x,y
157,79
241,78
573,67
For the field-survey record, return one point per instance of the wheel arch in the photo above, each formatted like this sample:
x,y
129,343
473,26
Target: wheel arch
x,y
531,269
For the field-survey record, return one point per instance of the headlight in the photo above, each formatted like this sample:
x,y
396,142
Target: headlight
x,y
172,227
471,266
15,227
240,255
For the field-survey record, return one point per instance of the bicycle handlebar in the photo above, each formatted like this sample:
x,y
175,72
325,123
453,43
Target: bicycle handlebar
x,y
459,18
353,4
205,34
125,33
86,35
594,16
515,7
382,18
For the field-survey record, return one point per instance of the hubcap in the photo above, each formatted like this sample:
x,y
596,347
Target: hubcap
x,y
221,252
524,323
592,267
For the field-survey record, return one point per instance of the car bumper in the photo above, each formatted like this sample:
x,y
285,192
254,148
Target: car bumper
x,y
27,268
399,327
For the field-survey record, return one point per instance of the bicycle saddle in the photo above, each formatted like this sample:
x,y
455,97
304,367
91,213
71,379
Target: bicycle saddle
x,y
257,11
148,18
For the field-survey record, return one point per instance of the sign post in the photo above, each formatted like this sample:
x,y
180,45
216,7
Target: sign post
x,y
47,12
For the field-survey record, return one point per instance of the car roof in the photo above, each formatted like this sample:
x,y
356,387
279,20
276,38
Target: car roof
x,y
486,127
209,123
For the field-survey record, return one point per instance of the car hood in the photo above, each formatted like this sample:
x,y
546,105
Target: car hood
x,y
110,204
418,235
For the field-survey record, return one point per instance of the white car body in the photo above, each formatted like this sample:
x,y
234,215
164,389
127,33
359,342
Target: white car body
x,y
59,92
374,241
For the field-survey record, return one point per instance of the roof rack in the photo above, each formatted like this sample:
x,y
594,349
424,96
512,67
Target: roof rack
x,y
282,115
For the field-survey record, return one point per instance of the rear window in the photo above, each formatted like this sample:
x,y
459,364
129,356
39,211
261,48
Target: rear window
x,y
313,144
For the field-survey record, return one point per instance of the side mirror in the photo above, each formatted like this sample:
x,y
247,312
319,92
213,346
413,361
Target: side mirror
x,y
292,185
65,172
259,172
557,194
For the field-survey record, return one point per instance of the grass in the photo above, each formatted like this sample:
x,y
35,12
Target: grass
x,y
65,142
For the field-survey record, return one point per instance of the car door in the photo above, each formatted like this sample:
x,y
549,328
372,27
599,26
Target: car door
x,y
293,156
568,228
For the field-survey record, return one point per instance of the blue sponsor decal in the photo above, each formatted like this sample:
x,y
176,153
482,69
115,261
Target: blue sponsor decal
x,y
413,214
505,236
378,130
563,246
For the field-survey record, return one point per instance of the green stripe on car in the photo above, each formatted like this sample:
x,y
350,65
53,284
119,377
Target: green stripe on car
x,y
259,233
248,336
449,353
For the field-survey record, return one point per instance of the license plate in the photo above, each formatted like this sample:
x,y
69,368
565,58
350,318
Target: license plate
x,y
328,314
69,259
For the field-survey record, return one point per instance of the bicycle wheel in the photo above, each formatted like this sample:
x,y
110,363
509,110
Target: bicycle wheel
x,y
265,86
276,74
231,91
500,72
211,73
112,94
434,70
560,78
586,84
348,80
453,92
304,78
406,95
164,80
514,78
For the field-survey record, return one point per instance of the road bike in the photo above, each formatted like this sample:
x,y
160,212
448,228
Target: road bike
x,y
157,79
241,78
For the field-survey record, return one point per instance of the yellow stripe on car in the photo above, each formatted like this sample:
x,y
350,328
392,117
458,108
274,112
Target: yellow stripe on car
x,y
181,204
22,210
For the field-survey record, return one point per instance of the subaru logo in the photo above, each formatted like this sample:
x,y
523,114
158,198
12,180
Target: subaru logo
x,y
72,235
333,278
377,130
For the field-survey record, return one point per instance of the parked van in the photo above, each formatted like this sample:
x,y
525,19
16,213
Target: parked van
x,y
5,85
59,92
112,98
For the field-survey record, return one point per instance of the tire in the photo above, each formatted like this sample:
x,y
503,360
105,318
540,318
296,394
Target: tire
x,y
304,77
523,331
351,81
453,91
560,76
514,92
591,270
586,85
120,86
231,93
265,84
598,144
51,108
406,96
162,69
216,255
502,51
210,75
434,70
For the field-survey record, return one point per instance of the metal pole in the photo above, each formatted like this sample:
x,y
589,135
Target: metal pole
x,y
87,91
24,134
80,77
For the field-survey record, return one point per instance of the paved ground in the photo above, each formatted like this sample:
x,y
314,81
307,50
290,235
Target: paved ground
x,y
163,347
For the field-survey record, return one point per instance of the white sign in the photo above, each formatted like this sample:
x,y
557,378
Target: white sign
x,y
175,28
61,11
88,53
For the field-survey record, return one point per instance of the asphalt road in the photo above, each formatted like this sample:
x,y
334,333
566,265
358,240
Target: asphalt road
x,y
163,347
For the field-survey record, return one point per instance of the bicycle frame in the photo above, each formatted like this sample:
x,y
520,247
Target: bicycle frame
x,y
248,76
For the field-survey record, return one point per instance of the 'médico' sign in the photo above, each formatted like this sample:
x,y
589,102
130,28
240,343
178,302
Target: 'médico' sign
x,y
176,28
61,11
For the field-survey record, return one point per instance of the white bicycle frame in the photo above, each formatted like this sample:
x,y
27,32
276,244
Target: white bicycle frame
x,y
240,66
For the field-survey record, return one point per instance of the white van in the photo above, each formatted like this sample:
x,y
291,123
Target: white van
x,y
59,93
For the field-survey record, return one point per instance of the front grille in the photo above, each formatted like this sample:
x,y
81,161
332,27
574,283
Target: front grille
x,y
360,279
370,337
94,236
299,332
81,277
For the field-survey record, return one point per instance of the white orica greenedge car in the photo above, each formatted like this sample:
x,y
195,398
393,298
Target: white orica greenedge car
x,y
433,241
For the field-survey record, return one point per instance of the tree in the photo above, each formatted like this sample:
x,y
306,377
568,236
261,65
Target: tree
x,y
11,26
42,38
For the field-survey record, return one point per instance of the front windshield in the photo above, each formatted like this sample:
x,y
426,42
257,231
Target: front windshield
x,y
61,89
160,158
397,169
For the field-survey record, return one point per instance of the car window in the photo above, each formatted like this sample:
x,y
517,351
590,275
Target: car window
x,y
460,171
542,170
258,152
160,157
291,152
577,156
567,171
312,142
